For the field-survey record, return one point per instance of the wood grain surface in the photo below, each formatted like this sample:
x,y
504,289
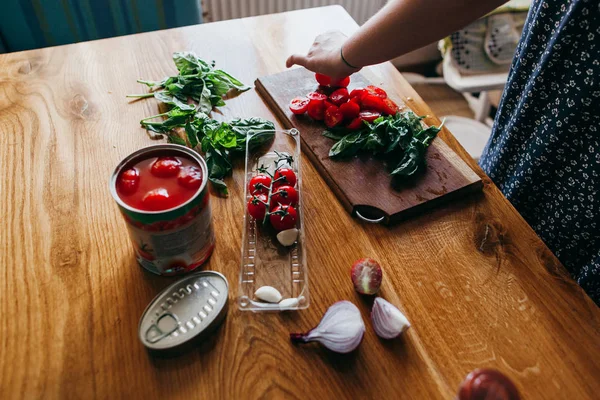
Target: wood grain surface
x,y
479,287
355,180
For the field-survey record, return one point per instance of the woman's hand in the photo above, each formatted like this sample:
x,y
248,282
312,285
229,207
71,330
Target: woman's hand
x,y
324,56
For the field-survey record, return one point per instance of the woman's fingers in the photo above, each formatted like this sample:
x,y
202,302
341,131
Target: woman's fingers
x,y
296,59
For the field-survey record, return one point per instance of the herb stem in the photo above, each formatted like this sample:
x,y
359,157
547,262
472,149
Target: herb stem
x,y
140,96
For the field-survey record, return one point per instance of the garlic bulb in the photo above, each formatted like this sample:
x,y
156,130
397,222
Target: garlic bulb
x,y
388,321
288,237
268,294
341,329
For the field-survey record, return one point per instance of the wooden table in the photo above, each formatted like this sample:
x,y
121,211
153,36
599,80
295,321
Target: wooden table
x,y
479,287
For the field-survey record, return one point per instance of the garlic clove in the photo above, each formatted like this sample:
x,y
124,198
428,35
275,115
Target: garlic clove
x,y
341,329
289,303
288,237
388,321
268,294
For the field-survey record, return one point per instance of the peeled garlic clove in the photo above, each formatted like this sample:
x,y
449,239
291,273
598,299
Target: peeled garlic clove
x,y
268,294
341,329
388,321
289,303
287,237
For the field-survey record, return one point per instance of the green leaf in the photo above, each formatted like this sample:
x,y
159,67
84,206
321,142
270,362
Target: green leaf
x,y
205,104
174,138
172,100
349,145
192,134
220,186
373,142
412,161
335,135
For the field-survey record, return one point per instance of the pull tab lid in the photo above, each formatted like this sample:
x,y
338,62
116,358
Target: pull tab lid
x,y
185,311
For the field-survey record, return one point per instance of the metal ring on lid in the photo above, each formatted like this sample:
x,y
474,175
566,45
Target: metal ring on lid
x,y
369,220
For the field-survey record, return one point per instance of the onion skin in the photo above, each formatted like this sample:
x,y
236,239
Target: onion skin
x,y
341,329
482,384
388,321
366,276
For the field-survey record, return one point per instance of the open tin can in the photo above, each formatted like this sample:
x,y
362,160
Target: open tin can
x,y
176,240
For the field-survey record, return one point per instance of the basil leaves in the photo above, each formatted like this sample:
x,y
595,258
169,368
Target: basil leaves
x,y
399,139
191,96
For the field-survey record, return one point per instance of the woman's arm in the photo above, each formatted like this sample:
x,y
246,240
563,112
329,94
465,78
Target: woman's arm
x,y
399,27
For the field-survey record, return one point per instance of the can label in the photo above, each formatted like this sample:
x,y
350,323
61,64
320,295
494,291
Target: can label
x,y
169,244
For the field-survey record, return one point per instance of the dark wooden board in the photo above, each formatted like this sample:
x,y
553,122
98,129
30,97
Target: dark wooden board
x,y
361,183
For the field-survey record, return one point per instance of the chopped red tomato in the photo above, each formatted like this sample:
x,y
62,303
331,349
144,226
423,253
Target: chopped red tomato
x,y
350,110
374,90
356,123
372,102
339,97
316,96
358,93
299,105
390,108
369,116
316,109
333,116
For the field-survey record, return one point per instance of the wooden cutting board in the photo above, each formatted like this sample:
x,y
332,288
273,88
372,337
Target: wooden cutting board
x,y
361,183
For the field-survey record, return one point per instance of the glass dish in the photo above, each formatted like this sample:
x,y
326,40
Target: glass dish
x,y
265,262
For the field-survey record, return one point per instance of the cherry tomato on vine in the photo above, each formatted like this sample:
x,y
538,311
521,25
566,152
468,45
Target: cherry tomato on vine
x,y
284,195
259,184
288,175
283,217
257,207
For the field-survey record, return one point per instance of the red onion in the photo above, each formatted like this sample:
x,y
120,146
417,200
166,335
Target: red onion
x,y
483,384
341,329
388,321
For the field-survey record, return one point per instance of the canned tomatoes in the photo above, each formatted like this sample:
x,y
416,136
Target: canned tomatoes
x,y
162,192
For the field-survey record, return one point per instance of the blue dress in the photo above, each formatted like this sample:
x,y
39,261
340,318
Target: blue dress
x,y
544,152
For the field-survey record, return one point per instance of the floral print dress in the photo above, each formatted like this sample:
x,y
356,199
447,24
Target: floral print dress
x,y
544,152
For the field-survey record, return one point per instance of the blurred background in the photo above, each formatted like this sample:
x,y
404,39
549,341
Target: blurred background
x,y
461,77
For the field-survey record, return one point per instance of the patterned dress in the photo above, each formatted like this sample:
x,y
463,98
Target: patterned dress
x,y
544,152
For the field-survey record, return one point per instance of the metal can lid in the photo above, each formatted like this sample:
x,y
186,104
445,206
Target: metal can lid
x,y
184,312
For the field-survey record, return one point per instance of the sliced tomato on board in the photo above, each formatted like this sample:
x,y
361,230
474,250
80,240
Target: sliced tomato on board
x,y
390,107
372,102
339,97
350,110
333,116
369,115
355,124
323,79
299,105
316,109
316,96
358,92
374,90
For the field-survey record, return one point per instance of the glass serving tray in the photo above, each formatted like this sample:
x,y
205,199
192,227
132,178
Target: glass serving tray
x,y
265,262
